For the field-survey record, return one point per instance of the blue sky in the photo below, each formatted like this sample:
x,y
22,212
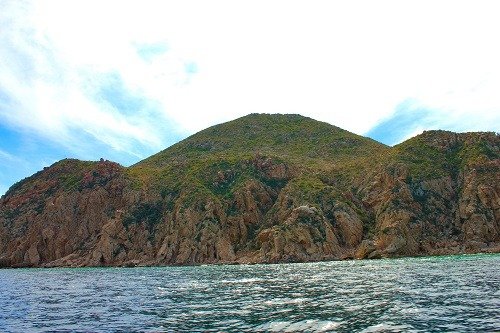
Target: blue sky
x,y
125,79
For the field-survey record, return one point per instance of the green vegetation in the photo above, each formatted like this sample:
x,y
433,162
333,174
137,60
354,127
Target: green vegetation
x,y
291,137
67,174
435,154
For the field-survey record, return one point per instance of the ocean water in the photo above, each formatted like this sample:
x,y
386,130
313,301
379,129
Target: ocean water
x,y
434,294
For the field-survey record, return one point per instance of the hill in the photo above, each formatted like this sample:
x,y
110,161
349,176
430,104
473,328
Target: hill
x,y
261,188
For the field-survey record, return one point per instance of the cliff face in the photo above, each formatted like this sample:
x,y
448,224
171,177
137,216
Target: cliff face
x,y
261,189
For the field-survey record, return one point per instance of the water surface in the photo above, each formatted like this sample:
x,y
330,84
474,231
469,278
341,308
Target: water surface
x,y
435,294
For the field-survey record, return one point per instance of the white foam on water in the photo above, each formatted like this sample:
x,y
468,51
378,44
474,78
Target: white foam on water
x,y
354,308
274,326
384,327
325,326
301,326
309,325
249,280
283,301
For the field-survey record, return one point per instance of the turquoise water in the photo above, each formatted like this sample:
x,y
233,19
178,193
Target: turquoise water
x,y
437,294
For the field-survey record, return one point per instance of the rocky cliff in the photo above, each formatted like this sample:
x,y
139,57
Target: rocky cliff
x,y
262,188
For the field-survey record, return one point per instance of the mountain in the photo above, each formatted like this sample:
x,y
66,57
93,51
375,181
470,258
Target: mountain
x,y
261,188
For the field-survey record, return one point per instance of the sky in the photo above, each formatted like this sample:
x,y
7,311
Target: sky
x,y
123,79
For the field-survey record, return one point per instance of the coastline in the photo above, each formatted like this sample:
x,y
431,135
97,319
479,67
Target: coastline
x,y
492,250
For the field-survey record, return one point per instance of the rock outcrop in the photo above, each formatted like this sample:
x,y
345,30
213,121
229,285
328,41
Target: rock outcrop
x,y
261,189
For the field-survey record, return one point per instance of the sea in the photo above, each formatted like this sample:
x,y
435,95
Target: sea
x,y
426,294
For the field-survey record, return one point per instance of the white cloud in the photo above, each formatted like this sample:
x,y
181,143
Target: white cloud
x,y
47,88
6,156
349,63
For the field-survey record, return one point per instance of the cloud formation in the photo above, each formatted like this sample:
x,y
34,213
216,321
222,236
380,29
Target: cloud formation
x,y
132,77
51,78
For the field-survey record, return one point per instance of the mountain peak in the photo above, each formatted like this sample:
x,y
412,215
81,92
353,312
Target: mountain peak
x,y
287,136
